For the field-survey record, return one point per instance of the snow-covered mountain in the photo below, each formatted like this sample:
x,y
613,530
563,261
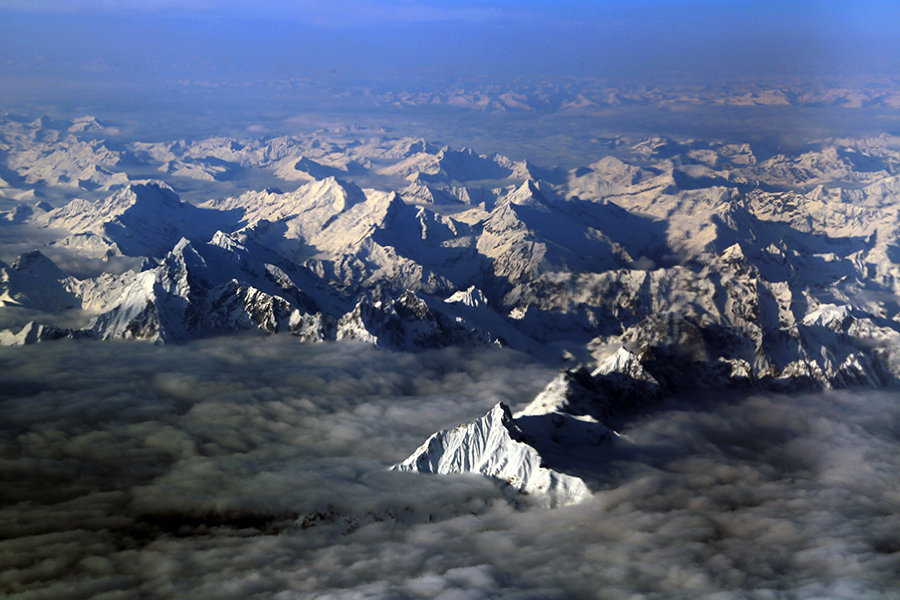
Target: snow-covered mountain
x,y
507,449
672,253
138,219
672,265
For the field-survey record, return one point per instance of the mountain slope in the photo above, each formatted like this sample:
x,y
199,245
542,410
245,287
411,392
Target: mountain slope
x,y
710,265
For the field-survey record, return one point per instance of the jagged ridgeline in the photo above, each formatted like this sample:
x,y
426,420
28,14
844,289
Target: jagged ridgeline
x,y
665,265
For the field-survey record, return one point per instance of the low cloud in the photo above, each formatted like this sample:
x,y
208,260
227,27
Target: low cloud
x,y
243,466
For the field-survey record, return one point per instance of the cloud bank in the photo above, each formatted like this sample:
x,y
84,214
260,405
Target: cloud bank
x,y
249,466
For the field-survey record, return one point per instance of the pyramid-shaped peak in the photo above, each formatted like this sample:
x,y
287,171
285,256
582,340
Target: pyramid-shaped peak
x,y
224,240
182,255
86,124
624,362
37,263
527,194
331,192
148,192
733,252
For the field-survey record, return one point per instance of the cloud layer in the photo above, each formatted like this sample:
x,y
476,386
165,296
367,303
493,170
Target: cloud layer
x,y
255,466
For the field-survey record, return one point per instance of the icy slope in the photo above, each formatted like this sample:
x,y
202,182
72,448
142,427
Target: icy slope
x,y
496,447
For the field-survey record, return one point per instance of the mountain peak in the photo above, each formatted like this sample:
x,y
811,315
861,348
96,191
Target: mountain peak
x,y
148,195
496,447
36,263
527,194
86,124
625,363
333,193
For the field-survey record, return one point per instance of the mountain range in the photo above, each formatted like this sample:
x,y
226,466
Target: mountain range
x,y
665,266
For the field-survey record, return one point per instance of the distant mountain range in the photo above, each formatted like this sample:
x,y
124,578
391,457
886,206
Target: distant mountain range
x,y
572,95
579,95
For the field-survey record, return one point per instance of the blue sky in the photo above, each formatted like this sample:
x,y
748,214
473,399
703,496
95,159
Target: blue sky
x,y
879,13
67,44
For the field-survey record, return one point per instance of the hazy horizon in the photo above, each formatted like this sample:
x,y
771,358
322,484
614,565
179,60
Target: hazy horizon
x,y
190,53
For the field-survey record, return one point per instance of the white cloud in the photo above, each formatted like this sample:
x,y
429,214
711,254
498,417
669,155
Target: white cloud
x,y
191,471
